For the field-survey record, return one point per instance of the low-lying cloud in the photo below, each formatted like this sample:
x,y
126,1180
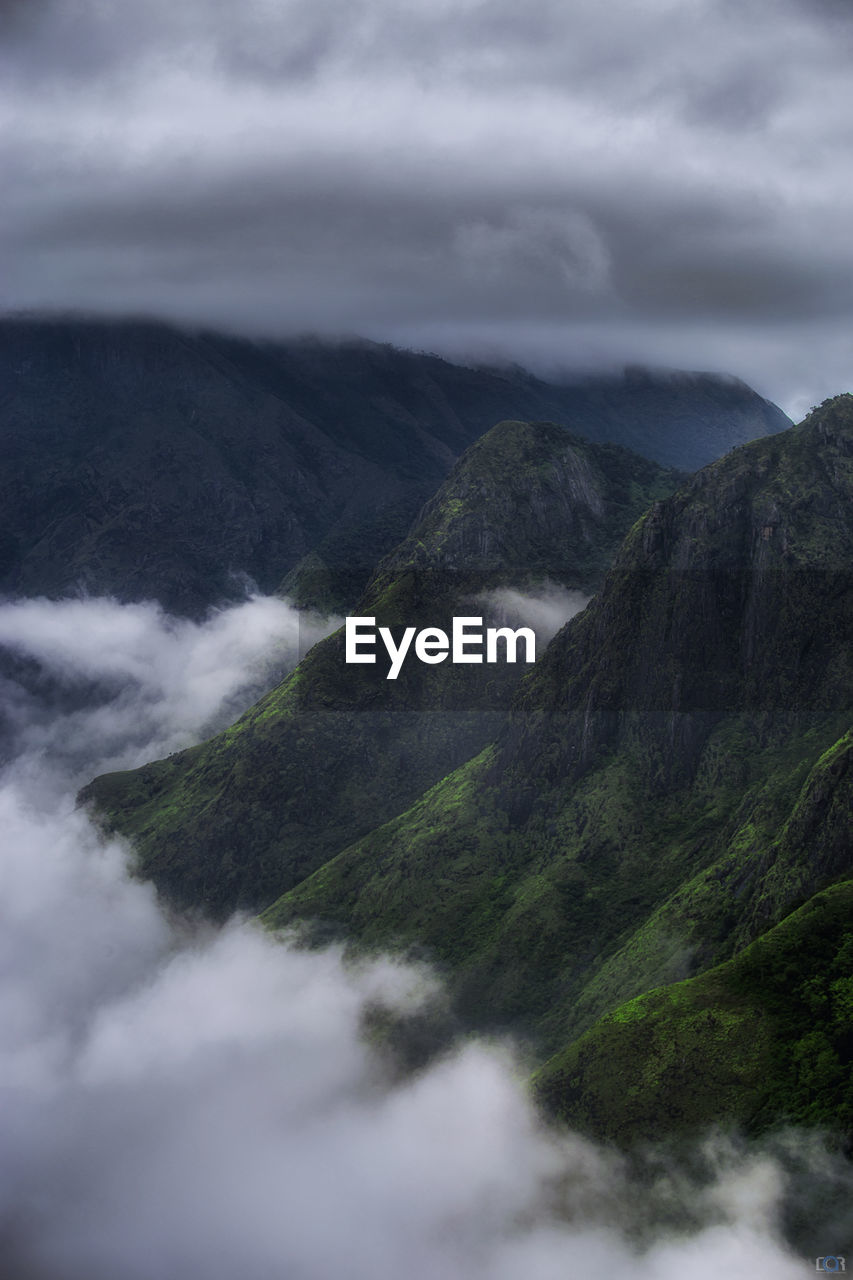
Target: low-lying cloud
x,y
188,1107
546,609
209,1108
184,1103
147,683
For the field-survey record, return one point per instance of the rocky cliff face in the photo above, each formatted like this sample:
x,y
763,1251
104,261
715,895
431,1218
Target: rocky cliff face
x,y
735,596
528,502
149,462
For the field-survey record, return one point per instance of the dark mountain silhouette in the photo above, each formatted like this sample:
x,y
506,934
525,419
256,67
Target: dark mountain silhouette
x,y
150,462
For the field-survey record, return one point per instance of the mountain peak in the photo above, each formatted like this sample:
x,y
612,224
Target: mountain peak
x,y
836,414
526,502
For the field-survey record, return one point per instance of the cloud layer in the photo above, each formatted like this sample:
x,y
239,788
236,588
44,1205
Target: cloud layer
x,y
207,1107
194,1104
568,184
122,684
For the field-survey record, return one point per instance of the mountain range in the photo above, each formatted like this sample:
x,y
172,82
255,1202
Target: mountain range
x,y
149,462
645,869
634,853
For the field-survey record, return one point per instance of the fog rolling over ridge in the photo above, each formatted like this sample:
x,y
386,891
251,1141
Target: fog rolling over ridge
x,y
179,1102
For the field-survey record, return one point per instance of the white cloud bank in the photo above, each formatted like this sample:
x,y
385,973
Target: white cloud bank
x,y
185,1104
151,683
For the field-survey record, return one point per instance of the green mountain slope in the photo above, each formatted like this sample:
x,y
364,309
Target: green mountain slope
x,y
672,779
150,462
336,749
765,1038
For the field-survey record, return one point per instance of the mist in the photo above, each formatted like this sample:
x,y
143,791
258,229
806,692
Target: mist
x,y
127,682
179,1102
545,609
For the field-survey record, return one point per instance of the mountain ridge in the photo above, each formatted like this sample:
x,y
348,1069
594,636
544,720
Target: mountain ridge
x,y
146,461
614,839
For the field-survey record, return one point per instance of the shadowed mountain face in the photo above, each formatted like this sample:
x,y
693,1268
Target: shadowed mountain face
x,y
337,749
671,783
148,462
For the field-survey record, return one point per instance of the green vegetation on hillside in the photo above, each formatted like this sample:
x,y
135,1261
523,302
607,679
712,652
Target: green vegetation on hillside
x,y
762,1040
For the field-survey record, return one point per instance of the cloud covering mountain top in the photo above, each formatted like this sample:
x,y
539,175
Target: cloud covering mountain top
x,y
567,185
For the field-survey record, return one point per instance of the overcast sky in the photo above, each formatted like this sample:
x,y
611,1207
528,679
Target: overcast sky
x,y
562,182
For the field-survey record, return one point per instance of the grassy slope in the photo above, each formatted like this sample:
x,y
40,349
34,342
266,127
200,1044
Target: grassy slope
x,y
549,925
765,1038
